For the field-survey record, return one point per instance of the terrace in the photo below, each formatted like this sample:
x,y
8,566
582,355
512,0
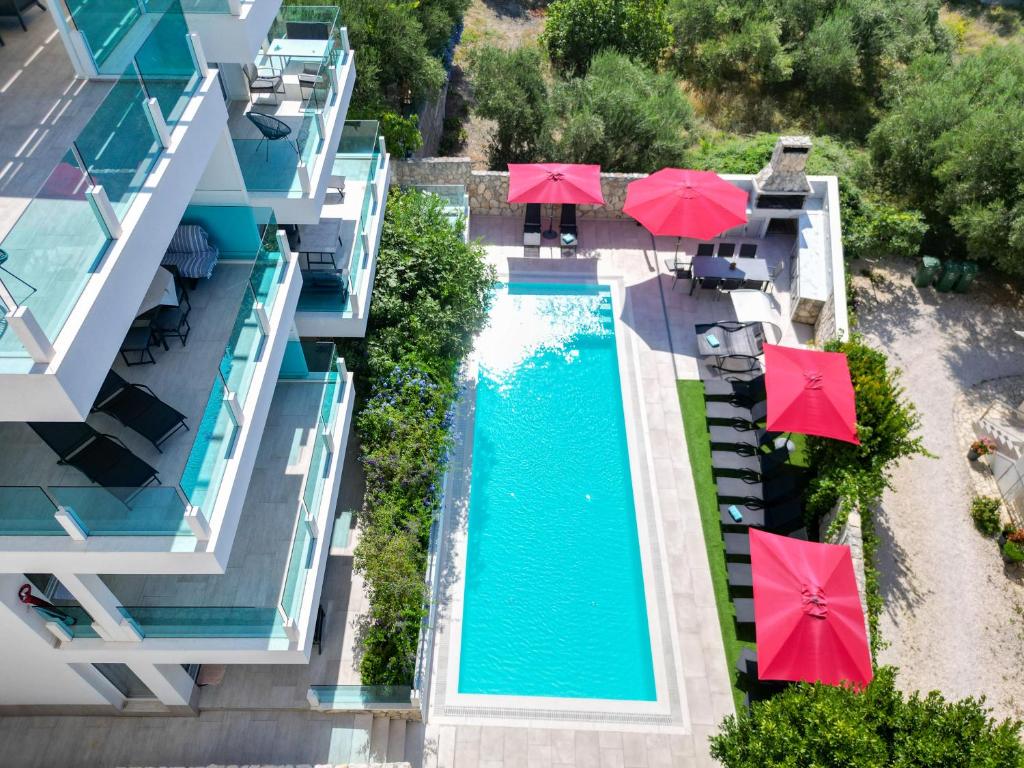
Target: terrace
x,y
309,66
265,593
237,337
70,232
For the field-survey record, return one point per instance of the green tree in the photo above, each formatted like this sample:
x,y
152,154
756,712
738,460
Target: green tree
x,y
837,727
951,145
577,29
621,115
510,90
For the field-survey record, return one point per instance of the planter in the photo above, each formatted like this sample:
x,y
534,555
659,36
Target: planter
x,y
973,455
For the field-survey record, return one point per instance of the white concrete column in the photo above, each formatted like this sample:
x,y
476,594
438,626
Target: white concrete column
x,y
96,597
31,335
169,682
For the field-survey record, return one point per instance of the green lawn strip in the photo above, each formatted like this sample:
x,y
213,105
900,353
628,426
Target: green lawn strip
x,y
698,445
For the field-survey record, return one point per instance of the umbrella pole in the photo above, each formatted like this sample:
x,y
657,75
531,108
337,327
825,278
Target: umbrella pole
x,y
549,233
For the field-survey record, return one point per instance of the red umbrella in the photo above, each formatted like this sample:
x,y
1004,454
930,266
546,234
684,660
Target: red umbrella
x,y
554,183
683,203
809,392
807,612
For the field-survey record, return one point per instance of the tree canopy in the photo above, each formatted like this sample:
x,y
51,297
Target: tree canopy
x,y
951,145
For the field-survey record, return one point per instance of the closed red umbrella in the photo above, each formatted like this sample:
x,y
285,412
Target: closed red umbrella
x,y
554,183
683,203
810,392
807,612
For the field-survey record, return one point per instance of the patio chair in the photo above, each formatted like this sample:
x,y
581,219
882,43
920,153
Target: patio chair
x,y
311,78
103,459
705,249
679,269
719,412
262,81
271,129
754,485
748,459
735,363
726,250
739,433
139,409
747,390
336,182
15,8
532,225
172,322
728,285
307,30
4,256
748,250
773,272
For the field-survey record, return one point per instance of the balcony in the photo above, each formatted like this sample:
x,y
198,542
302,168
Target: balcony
x,y
313,83
338,254
239,321
267,593
105,36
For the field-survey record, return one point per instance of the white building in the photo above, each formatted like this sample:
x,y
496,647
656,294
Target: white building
x,y
147,555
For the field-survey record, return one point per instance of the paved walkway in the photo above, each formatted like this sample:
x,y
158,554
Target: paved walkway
x,y
953,616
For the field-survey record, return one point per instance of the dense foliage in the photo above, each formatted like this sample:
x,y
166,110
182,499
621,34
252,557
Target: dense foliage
x,y
951,145
510,90
575,30
828,726
985,514
621,115
429,300
824,56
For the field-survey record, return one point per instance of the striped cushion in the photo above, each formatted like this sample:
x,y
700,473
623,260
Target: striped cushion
x,y
190,252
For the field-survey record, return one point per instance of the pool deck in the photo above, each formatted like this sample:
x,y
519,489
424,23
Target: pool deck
x,y
656,326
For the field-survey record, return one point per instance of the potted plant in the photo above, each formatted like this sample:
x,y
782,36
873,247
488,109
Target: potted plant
x,y
981,447
1013,547
985,513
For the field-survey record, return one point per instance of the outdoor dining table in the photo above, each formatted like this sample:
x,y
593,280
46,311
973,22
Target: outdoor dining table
x,y
305,50
718,268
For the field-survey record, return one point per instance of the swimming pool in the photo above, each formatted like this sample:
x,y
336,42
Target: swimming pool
x,y
554,600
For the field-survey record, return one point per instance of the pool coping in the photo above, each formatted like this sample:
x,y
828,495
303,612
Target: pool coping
x,y
669,708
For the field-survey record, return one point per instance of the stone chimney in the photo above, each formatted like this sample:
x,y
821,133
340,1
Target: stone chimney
x,y
784,174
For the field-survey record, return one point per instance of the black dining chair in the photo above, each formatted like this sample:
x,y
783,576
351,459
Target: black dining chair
x,y
271,129
726,250
728,284
748,250
705,249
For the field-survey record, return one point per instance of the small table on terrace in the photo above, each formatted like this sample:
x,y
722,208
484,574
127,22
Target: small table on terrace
x,y
717,268
304,50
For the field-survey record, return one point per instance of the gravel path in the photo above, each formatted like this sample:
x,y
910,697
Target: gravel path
x,y
954,616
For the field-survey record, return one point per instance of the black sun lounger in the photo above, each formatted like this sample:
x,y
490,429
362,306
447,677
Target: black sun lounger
x,y
135,406
754,485
744,610
750,391
780,517
738,544
102,458
745,459
740,575
727,412
739,432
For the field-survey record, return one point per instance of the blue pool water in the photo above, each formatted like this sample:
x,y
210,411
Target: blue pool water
x,y
554,595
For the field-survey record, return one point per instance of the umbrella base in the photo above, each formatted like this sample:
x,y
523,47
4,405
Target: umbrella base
x,y
549,234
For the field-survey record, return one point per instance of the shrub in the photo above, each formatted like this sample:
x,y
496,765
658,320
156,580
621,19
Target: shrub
x,y
575,30
985,514
402,134
429,300
839,727
1013,551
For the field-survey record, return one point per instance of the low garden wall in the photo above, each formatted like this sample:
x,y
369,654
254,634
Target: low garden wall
x,y
850,534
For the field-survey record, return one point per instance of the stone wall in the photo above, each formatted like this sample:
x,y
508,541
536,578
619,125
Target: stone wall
x,y
851,535
431,122
825,326
488,190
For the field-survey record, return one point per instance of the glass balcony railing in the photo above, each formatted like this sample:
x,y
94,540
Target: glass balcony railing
x,y
151,511
28,511
456,201
205,622
360,697
332,381
59,240
359,159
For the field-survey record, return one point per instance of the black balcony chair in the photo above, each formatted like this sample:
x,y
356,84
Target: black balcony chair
x,y
139,409
172,322
307,30
263,81
140,340
15,8
103,459
271,129
730,388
